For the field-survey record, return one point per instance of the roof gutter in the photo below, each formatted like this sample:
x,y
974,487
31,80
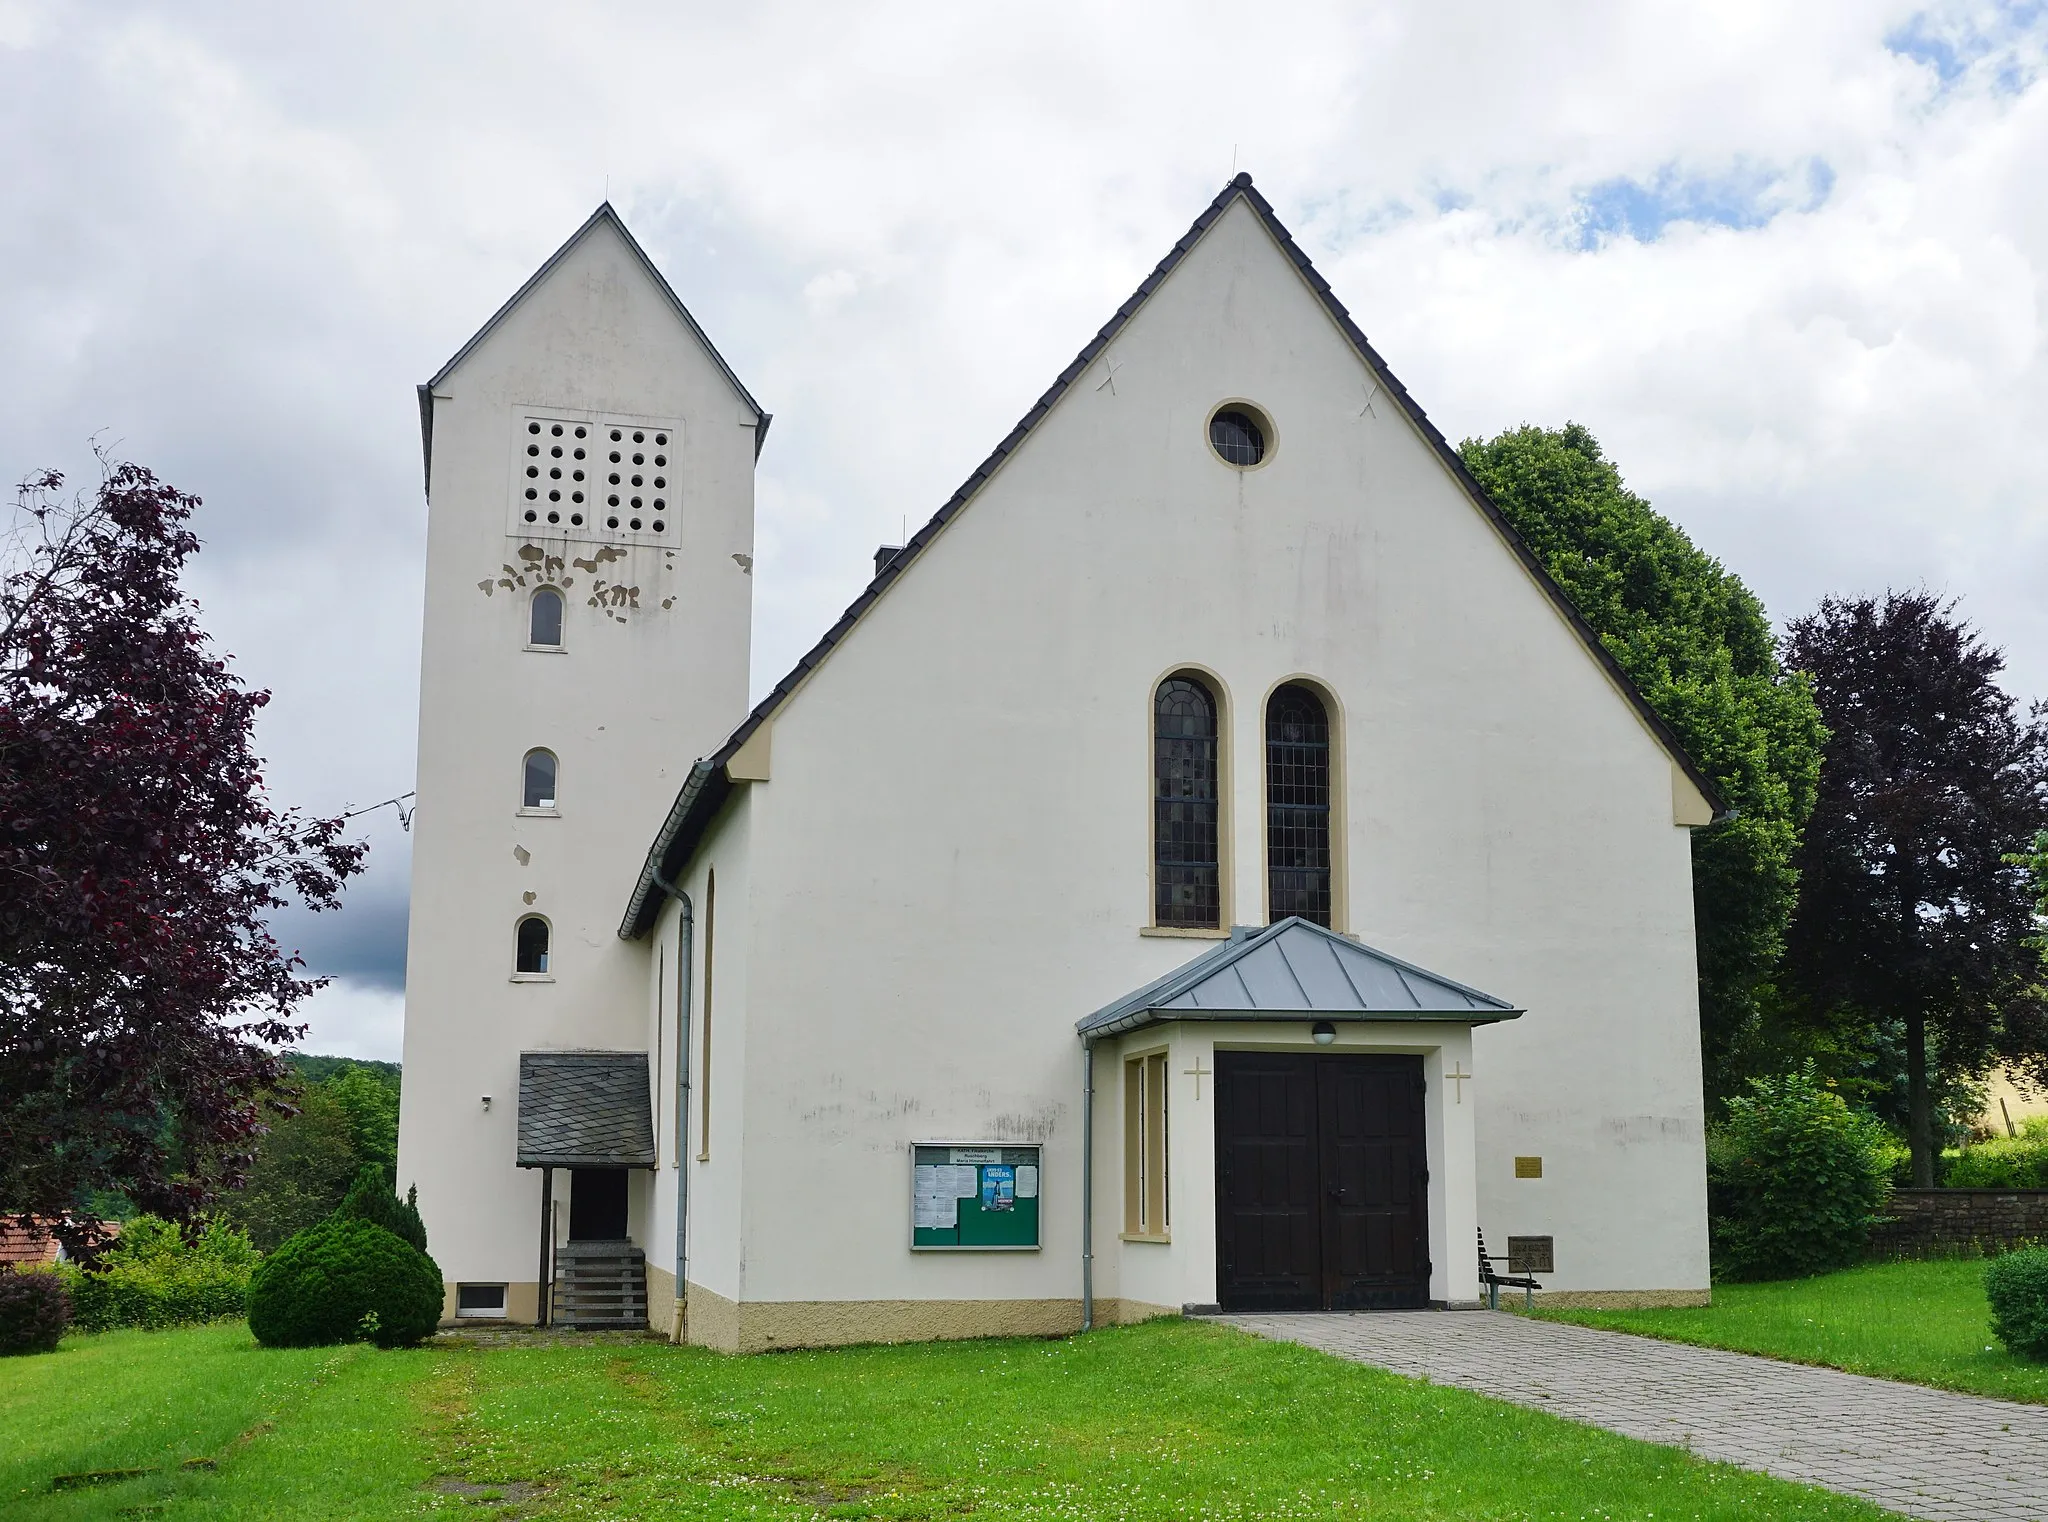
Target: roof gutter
x,y
640,909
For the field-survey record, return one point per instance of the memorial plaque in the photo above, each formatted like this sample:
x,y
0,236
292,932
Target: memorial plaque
x,y
1528,1167
1531,1255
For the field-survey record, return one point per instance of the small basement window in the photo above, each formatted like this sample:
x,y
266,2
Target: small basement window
x,y
480,1300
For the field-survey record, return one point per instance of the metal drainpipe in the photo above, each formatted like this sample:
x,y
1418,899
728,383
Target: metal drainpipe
x,y
1088,1187
685,939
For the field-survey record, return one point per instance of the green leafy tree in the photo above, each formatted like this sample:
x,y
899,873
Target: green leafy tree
x,y
371,1106
345,1119
1697,644
1796,1179
1916,903
303,1167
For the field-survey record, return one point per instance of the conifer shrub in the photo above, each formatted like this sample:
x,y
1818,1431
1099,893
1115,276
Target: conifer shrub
x,y
345,1280
155,1275
34,1310
371,1198
1795,1180
2017,1287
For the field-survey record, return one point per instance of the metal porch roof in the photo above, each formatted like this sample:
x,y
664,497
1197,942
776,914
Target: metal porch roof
x,y
1296,970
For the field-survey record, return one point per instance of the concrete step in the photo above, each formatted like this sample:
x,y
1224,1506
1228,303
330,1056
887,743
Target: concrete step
x,y
600,1284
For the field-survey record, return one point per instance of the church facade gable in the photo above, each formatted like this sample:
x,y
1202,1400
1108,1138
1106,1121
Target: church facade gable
x,y
954,855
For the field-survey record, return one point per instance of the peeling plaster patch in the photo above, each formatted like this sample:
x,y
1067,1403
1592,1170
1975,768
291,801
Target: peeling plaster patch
x,y
529,895
668,602
746,563
486,585
521,855
604,556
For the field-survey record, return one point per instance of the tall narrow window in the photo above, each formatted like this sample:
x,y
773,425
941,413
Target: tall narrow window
x,y
1298,805
1145,1121
539,792
544,618
532,953
1185,877
704,1068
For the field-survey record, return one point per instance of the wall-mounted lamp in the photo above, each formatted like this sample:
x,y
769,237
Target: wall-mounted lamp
x,y
1324,1032
487,1101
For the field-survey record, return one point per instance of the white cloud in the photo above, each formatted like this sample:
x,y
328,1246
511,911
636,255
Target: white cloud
x,y
237,235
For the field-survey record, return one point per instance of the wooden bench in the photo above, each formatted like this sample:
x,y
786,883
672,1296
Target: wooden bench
x,y
1492,1283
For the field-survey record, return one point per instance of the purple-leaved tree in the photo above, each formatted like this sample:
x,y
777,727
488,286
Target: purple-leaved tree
x,y
140,990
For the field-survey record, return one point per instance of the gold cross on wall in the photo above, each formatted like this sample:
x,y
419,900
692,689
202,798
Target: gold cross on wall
x,y
1198,1073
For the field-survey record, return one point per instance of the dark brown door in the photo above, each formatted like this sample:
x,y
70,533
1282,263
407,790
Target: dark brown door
x,y
597,1205
1321,1183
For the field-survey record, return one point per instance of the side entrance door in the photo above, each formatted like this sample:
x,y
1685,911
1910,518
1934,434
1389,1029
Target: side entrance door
x,y
1322,1182
597,1205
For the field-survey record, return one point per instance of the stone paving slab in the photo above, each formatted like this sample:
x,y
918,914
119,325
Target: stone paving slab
x,y
1926,1453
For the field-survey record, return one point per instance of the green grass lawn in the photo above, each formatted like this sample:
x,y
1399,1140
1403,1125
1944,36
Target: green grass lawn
x,y
1923,1322
1169,1420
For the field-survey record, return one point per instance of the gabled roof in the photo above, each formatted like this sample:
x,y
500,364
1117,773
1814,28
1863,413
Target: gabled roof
x,y
584,1110
704,791
607,215
1295,970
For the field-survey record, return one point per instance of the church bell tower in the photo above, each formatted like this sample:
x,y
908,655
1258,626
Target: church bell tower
x,y
590,489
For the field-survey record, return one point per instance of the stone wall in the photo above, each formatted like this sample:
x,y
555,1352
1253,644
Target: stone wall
x,y
1931,1222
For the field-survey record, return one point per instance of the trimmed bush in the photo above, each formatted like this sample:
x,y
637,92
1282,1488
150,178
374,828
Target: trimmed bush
x,y
344,1280
34,1310
154,1276
1795,1180
371,1198
2008,1162
2017,1287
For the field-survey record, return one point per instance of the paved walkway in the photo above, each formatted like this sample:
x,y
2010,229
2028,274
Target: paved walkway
x,y
1927,1453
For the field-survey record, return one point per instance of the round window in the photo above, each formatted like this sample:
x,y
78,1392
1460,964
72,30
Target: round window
x,y
1240,435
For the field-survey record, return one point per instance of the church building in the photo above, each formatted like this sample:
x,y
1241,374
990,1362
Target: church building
x,y
1211,865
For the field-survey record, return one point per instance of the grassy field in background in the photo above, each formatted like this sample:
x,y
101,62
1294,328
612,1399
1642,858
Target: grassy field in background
x,y
1169,1420
1926,1323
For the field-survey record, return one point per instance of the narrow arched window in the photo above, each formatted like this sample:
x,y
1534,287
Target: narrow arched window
x,y
1298,805
1186,882
533,945
539,790
544,618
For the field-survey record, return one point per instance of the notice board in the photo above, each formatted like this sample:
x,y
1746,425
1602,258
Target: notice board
x,y
974,1197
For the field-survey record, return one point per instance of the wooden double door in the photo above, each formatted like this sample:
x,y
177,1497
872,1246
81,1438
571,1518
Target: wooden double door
x,y
1322,1182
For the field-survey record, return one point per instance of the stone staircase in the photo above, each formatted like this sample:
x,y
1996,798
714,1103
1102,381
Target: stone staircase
x,y
600,1284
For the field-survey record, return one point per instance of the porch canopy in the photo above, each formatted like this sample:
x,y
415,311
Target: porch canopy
x,y
1294,971
585,1110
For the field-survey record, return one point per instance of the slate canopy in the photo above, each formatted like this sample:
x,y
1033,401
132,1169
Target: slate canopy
x,y
585,1110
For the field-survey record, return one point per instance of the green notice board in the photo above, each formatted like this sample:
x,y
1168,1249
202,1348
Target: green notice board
x,y
970,1198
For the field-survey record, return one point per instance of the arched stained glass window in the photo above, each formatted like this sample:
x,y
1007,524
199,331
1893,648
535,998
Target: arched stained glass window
x,y
1185,796
544,618
1298,805
532,949
539,789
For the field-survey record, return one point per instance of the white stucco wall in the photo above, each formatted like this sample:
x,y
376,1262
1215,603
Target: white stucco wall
x,y
951,863
635,693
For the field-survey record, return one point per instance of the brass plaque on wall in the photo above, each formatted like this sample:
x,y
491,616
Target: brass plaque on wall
x,y
1531,1255
1528,1167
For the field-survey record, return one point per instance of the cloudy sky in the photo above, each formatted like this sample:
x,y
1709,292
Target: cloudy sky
x,y
1785,260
